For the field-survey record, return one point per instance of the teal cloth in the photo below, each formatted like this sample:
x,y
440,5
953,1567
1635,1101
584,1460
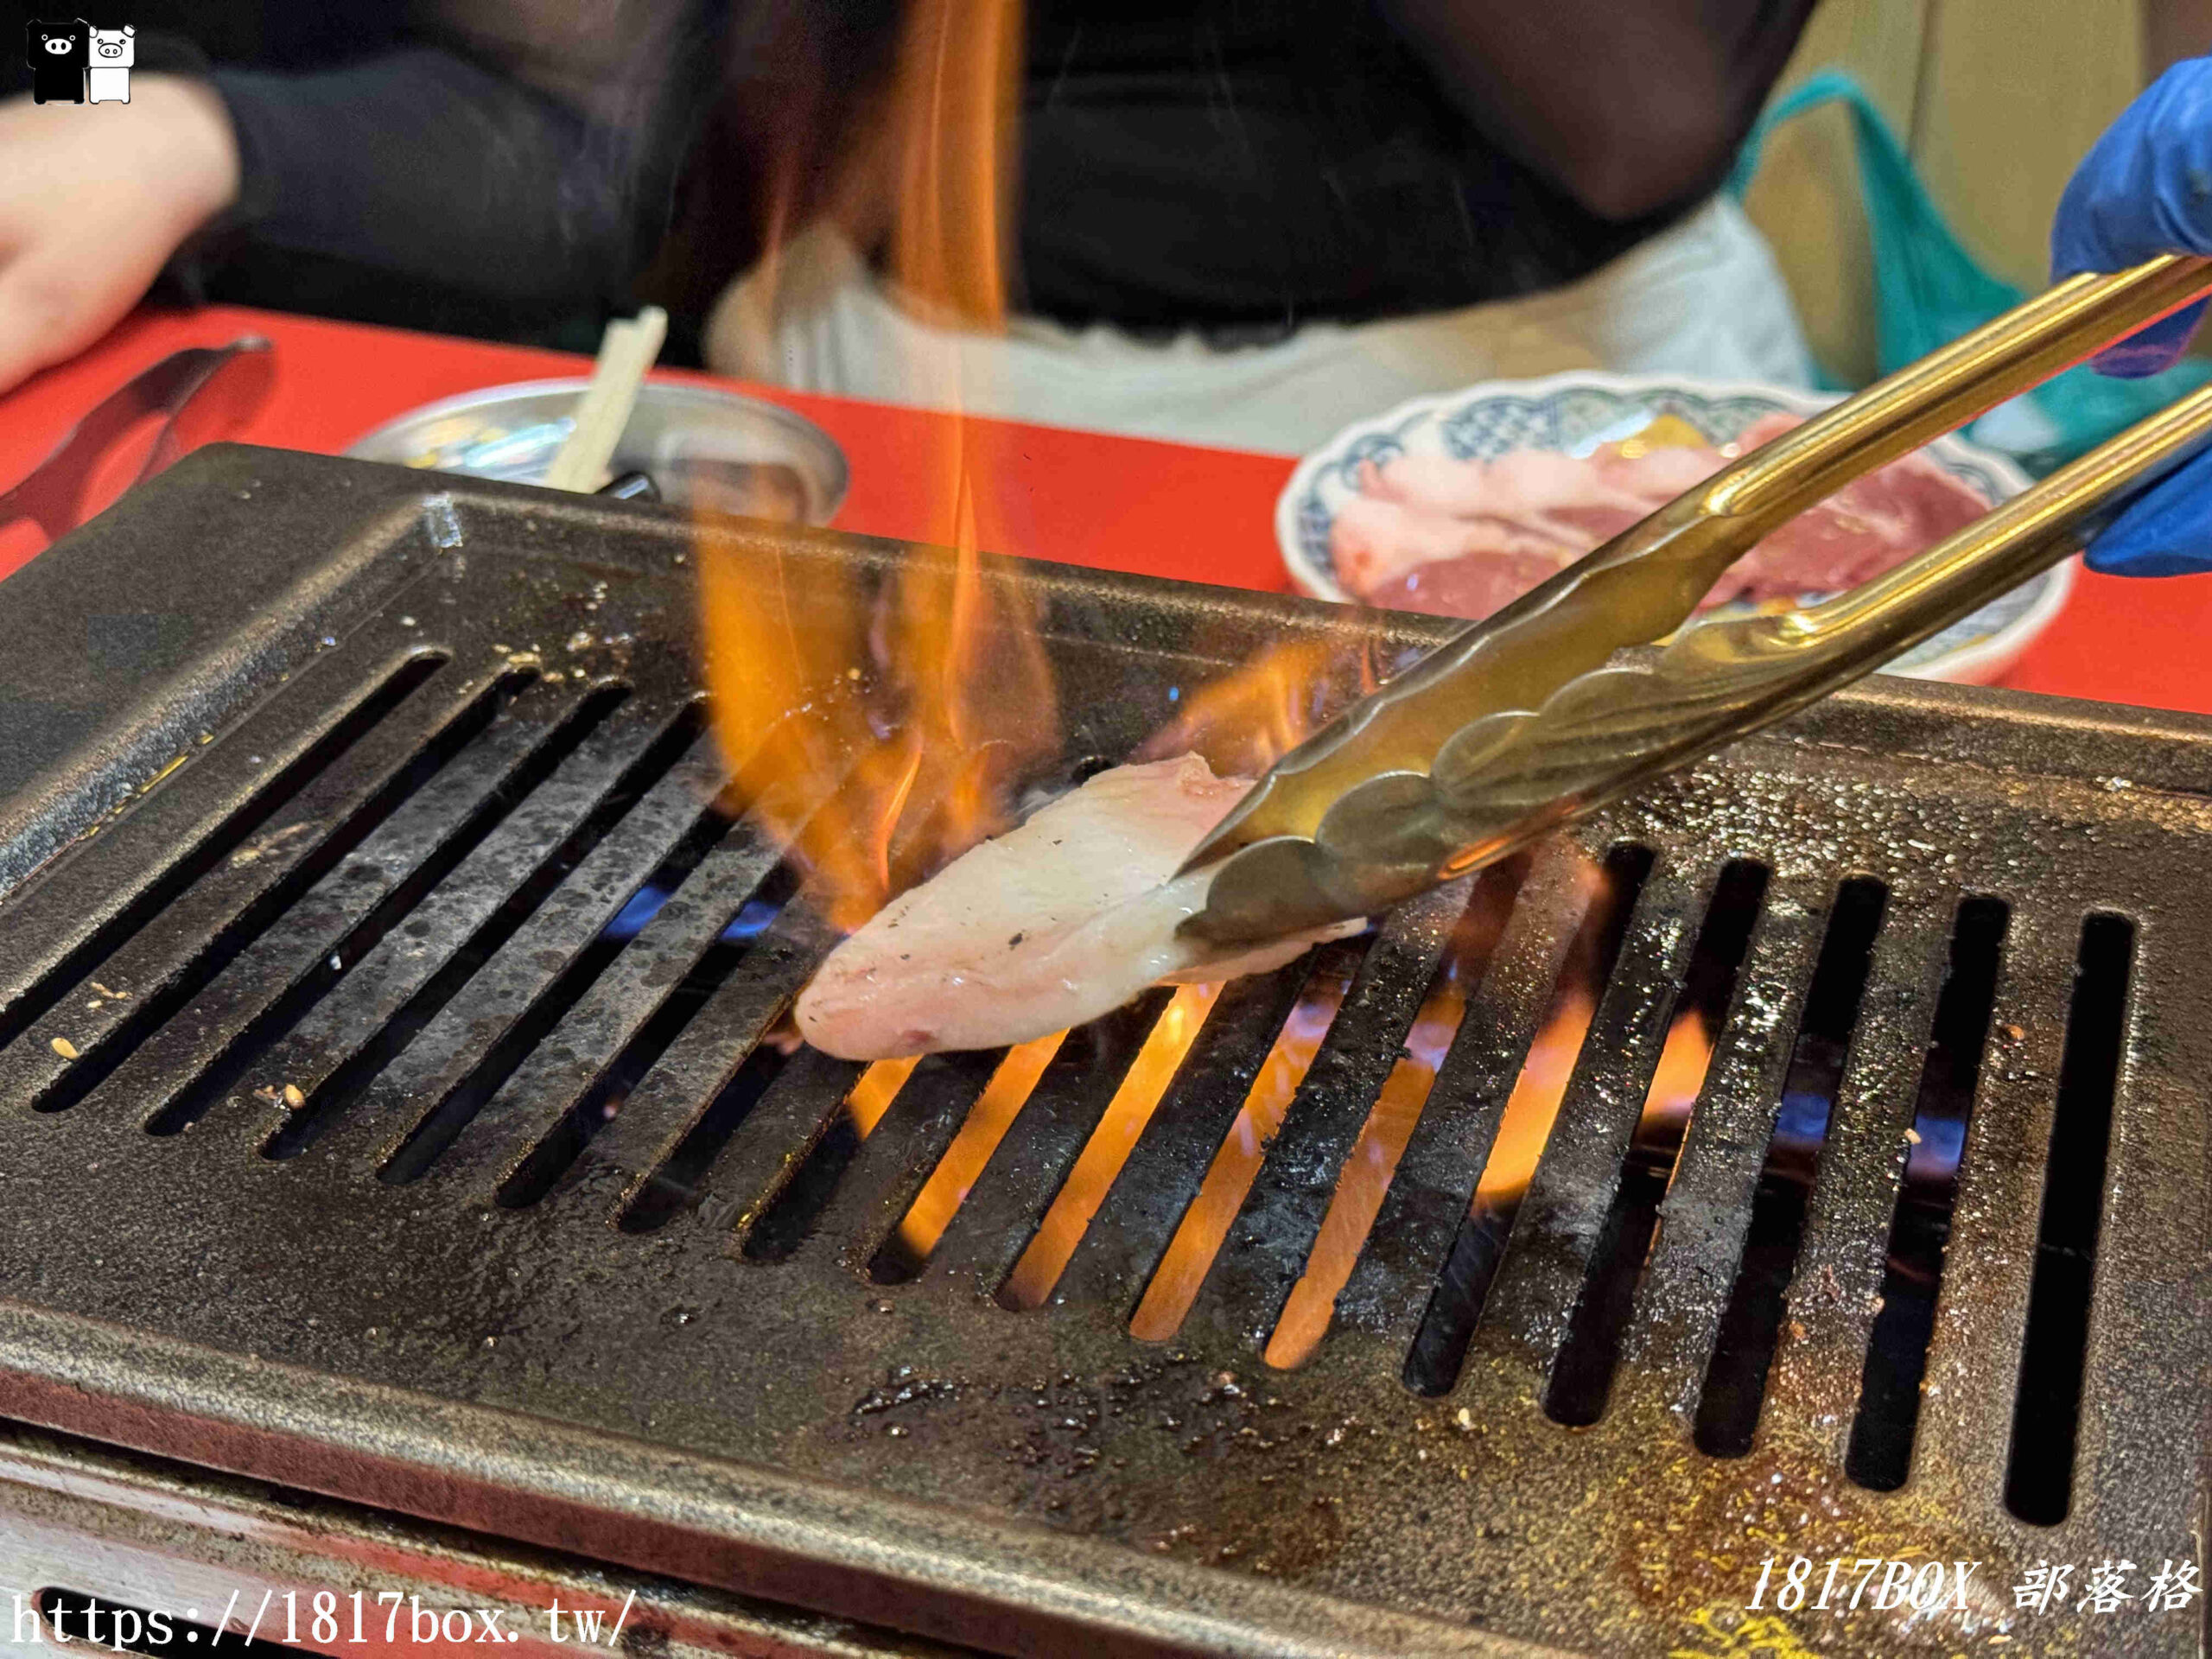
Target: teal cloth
x,y
1928,291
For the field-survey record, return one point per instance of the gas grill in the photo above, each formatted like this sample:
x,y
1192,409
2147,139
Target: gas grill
x,y
405,1189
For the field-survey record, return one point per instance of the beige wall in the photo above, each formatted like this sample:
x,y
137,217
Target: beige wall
x,y
1998,99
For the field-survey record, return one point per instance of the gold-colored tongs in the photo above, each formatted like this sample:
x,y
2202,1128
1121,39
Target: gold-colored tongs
x,y
1525,721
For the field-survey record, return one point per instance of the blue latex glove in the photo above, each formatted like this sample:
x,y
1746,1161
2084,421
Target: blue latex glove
x,y
2145,188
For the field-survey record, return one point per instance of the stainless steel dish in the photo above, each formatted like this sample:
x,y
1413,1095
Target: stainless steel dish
x,y
702,446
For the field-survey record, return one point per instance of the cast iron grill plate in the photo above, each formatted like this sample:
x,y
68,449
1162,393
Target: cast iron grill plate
x,y
336,1040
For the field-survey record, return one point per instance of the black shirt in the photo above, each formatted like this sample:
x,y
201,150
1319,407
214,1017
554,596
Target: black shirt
x,y
1242,166
1255,166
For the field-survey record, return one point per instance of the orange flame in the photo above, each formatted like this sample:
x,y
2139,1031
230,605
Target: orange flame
x,y
1536,1100
958,92
876,1089
879,726
873,776
1677,1079
1198,1239
1363,1181
1243,721
1373,1162
881,734
963,1162
1134,1100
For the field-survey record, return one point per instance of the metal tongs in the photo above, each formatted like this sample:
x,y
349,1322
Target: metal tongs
x,y
1525,721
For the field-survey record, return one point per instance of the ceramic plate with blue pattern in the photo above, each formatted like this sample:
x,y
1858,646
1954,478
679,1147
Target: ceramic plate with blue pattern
x,y
1578,412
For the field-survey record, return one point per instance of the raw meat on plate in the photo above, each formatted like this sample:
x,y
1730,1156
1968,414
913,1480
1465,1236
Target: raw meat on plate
x,y
1465,538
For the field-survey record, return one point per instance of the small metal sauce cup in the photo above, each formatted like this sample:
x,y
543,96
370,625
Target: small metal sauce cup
x,y
701,446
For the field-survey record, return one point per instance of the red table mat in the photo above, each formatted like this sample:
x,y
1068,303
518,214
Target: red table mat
x,y
1078,498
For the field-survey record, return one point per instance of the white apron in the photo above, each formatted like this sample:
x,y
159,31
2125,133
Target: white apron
x,y
1704,298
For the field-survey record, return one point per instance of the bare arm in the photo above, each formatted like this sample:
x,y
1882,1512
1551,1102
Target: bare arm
x,y
91,204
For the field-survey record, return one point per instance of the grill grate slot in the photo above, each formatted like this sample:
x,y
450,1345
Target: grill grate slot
x,y
778,938
458,1070
361,901
1204,1225
677,1183
225,844
893,1157
1124,1055
1880,1453
2046,1418
1107,1225
1433,1186
601,1001
467,1047
1456,1302
161,996
1815,1379
907,1250
1582,1375
1735,1381
392,967
1273,1234
782,1131
1364,1180
786,1214
746,981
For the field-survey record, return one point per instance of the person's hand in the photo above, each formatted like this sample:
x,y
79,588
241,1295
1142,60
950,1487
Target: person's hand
x,y
2145,188
93,199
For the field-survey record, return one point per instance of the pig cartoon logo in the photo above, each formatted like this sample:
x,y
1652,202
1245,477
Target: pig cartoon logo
x,y
59,54
109,78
